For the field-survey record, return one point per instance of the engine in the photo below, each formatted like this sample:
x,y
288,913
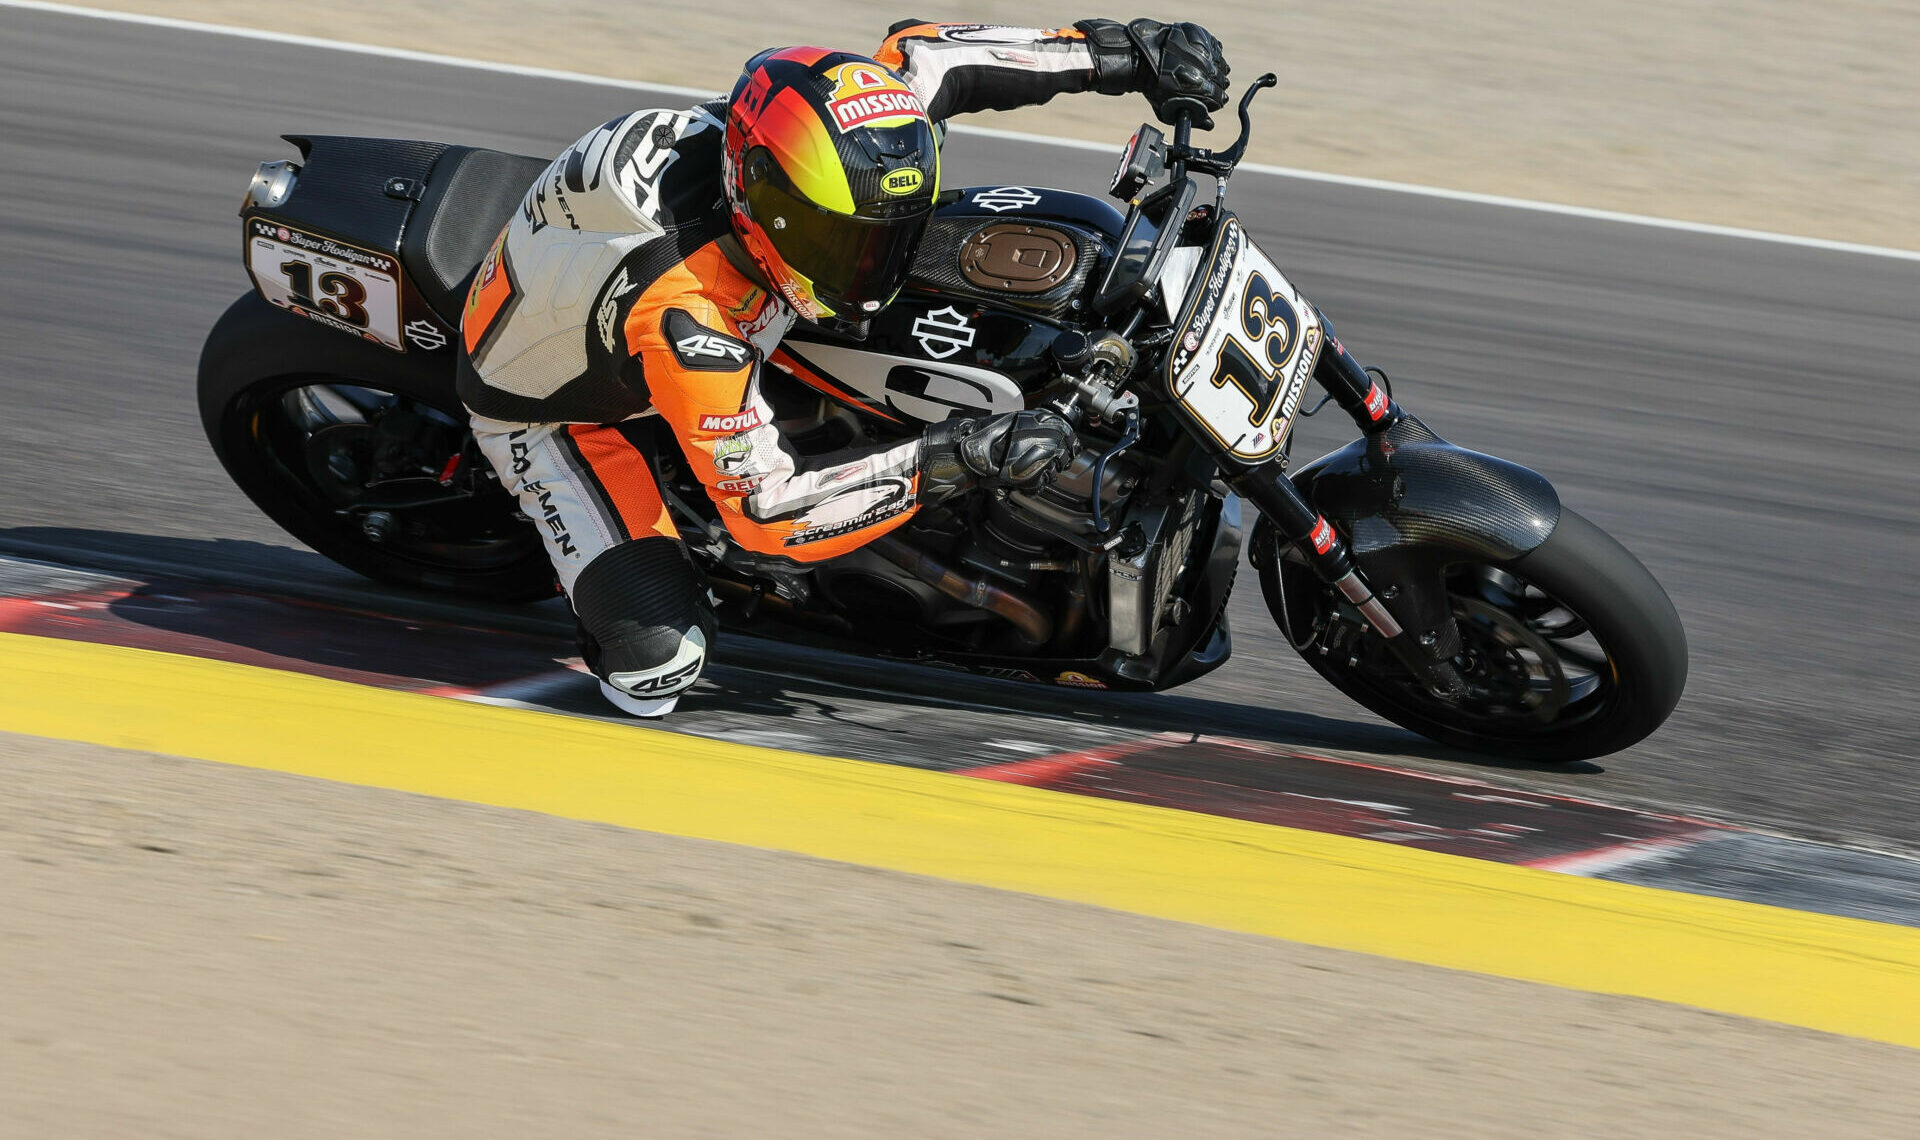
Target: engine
x,y
1001,274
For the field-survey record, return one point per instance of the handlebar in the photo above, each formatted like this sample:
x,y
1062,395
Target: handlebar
x,y
1184,156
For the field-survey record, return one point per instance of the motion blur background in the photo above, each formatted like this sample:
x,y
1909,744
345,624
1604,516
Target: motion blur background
x,y
1797,117
191,949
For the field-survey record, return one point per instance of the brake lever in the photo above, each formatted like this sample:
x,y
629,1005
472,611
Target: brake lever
x,y
1233,154
1221,163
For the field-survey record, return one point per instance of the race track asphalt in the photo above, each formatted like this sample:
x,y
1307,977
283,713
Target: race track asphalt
x,y
1738,413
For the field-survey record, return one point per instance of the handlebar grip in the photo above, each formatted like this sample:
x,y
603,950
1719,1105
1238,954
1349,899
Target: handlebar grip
x,y
1183,112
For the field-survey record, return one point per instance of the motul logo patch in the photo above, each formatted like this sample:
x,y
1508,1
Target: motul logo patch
x,y
738,421
862,109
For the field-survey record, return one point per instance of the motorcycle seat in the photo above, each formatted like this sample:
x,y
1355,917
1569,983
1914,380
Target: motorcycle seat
x,y
469,195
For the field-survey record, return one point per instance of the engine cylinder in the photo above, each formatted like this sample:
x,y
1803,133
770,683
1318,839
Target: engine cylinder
x,y
1032,521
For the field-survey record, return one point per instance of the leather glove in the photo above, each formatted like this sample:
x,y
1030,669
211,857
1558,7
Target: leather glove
x,y
1180,67
1023,450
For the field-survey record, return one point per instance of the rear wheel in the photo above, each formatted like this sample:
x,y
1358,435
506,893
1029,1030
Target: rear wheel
x,y
387,483
1570,651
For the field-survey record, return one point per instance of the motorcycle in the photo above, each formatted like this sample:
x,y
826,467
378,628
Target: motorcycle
x,y
1446,590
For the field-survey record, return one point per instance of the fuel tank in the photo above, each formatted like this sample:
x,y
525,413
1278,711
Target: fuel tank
x,y
1001,271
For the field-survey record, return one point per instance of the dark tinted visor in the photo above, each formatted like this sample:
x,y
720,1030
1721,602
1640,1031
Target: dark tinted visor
x,y
852,261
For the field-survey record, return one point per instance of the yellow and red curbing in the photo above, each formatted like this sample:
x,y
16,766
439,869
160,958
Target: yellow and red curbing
x,y
1836,974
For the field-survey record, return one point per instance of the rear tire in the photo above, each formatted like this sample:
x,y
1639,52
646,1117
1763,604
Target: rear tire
x,y
480,547
1605,647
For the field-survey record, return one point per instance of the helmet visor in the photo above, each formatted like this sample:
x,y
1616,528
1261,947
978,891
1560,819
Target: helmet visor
x,y
855,263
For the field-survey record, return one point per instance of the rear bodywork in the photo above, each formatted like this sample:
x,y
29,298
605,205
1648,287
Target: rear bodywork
x,y
417,214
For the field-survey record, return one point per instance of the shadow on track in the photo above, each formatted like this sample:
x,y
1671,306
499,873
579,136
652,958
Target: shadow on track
x,y
336,620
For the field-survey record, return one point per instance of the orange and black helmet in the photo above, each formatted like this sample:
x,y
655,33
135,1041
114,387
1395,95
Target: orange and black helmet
x,y
831,171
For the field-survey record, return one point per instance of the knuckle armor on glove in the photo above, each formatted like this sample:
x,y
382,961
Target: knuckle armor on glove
x,y
1180,67
644,621
1017,449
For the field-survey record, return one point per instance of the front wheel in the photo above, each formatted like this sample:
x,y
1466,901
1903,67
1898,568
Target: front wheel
x,y
1570,651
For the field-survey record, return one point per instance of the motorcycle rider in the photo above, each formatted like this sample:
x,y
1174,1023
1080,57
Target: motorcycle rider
x,y
656,265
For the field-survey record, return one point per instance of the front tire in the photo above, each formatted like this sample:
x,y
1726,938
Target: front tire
x,y
1572,650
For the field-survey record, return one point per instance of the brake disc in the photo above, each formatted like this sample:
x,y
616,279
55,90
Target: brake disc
x,y
1510,665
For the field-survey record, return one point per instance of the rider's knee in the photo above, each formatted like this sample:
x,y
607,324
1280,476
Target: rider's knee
x,y
645,624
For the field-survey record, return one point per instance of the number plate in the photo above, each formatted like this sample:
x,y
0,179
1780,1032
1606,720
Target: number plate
x,y
345,287
1247,342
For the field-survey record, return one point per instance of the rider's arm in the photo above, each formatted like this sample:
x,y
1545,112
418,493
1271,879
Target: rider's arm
x,y
704,380
958,68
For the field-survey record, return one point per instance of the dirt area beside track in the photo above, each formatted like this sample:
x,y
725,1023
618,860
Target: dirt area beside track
x,y
1797,117
193,950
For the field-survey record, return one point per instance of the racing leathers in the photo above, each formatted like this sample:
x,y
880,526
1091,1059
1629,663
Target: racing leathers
x,y
620,291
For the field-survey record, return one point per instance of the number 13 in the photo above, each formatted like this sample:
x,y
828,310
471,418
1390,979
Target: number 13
x,y
344,296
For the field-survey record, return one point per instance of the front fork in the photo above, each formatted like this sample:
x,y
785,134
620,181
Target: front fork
x,y
1300,524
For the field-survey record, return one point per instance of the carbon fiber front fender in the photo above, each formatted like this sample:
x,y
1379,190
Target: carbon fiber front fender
x,y
1407,488
1411,504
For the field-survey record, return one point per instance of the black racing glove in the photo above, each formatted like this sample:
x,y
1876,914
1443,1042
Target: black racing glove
x,y
1022,450
1180,67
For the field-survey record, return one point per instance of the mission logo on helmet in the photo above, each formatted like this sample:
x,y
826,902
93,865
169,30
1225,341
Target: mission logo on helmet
x,y
865,95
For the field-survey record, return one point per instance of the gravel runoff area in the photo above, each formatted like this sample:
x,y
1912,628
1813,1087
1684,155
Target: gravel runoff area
x,y
1795,116
193,950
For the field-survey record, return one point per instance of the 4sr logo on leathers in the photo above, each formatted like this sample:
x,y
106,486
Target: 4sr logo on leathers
x,y
711,346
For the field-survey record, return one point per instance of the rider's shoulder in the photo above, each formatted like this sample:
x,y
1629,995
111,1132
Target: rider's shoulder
x,y
642,172
675,303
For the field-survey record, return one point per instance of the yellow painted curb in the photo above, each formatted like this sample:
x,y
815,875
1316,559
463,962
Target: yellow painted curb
x,y
1836,974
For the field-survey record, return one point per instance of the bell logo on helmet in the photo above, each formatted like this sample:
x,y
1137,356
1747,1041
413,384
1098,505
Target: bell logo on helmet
x,y
865,95
902,182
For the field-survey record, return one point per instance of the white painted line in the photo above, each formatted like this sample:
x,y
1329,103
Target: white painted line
x,y
1592,864
1466,196
1478,199
436,58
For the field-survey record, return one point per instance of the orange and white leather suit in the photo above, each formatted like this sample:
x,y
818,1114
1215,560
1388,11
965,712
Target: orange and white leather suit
x,y
619,291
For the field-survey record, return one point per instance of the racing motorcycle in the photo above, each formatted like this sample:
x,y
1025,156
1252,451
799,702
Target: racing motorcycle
x,y
1447,590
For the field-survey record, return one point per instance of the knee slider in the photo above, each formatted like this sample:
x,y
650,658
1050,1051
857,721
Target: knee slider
x,y
644,621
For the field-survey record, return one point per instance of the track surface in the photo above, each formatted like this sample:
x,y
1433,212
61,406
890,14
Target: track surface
x,y
1736,413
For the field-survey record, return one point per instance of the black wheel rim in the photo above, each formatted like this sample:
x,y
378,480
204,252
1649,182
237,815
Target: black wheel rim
x,y
338,454
1533,665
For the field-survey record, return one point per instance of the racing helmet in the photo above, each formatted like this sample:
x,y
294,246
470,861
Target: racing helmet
x,y
831,167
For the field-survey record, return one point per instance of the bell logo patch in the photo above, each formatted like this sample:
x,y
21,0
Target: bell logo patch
x,y
901,182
